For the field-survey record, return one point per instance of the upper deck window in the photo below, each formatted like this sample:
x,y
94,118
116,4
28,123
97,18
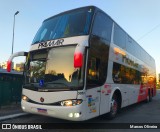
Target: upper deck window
x,y
73,23
102,26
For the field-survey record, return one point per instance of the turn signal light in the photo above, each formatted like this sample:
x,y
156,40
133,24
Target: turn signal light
x,y
9,65
78,60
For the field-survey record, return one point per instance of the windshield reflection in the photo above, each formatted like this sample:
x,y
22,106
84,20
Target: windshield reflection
x,y
55,70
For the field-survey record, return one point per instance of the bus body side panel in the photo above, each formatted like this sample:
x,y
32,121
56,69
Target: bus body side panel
x,y
106,92
92,102
131,93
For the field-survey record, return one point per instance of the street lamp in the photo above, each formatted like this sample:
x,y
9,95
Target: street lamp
x,y
13,30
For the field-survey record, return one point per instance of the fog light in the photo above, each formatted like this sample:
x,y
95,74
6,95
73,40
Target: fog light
x,y
76,115
70,115
23,107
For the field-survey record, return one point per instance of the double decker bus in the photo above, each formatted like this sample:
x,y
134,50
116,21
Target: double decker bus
x,y
82,64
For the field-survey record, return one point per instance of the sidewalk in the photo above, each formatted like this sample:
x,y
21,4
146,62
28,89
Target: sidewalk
x,y
11,111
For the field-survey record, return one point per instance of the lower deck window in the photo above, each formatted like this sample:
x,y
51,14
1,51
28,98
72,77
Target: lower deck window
x,y
125,75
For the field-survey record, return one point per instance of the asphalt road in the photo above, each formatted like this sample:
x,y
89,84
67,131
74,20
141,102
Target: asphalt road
x,y
137,113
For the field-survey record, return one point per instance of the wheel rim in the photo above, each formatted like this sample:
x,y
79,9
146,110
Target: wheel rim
x,y
114,107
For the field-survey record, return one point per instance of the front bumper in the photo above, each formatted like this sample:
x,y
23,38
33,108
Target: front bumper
x,y
73,113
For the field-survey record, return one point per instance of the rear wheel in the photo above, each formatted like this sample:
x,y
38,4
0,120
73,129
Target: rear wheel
x,y
149,96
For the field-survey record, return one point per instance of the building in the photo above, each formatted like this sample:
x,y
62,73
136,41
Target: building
x,y
19,67
3,65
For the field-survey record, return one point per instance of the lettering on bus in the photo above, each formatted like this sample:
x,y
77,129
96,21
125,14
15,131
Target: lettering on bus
x,y
51,43
129,61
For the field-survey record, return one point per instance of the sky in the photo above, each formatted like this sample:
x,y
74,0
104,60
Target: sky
x,y
139,18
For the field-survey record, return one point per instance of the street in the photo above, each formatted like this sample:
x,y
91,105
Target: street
x,y
137,113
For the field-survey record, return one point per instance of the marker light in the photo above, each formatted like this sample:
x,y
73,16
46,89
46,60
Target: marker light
x,y
70,115
23,108
78,60
9,64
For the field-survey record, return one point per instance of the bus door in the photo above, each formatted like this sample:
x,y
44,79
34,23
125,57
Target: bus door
x,y
93,102
97,66
93,89
105,98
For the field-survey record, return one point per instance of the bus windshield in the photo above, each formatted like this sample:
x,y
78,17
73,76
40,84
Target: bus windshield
x,y
53,69
74,23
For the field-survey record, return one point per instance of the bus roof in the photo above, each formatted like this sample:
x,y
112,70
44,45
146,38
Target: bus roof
x,y
93,7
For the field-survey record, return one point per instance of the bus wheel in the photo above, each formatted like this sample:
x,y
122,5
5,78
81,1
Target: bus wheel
x,y
113,108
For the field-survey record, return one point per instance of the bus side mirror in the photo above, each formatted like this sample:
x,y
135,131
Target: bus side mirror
x,y
78,60
9,62
9,65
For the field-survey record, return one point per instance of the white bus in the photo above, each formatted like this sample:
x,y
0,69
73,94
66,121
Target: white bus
x,y
82,64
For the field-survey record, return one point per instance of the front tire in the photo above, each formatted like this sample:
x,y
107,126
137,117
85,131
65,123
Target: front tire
x,y
113,108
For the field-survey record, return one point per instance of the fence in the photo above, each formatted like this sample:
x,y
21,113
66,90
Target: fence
x,y
10,87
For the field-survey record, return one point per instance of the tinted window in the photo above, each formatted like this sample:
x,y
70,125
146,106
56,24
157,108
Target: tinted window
x,y
123,40
136,50
68,24
119,36
132,47
97,62
102,26
125,75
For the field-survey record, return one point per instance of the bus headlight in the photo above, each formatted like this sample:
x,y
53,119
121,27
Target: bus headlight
x,y
25,98
71,102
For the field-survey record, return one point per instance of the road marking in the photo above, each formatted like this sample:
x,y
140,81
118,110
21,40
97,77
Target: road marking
x,y
12,116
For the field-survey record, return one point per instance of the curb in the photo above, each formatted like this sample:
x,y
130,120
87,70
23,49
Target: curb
x,y
3,118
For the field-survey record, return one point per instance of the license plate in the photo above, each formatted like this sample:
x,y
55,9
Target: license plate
x,y
40,110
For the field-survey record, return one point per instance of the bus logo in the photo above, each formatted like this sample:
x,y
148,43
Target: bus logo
x,y
50,43
42,99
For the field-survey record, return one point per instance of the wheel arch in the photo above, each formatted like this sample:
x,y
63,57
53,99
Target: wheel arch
x,y
118,94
